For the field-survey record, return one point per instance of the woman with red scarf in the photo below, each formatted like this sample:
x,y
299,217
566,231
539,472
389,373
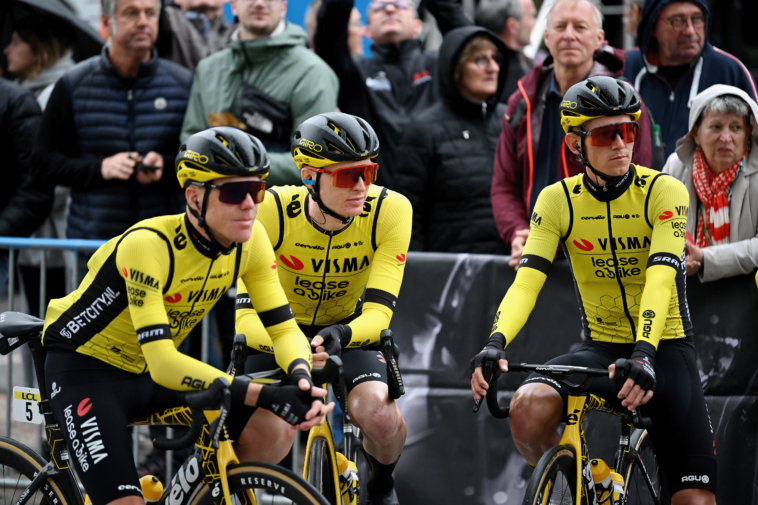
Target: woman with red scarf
x,y
718,164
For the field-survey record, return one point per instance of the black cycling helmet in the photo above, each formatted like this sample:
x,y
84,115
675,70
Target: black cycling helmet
x,y
215,153
328,138
333,137
596,97
220,152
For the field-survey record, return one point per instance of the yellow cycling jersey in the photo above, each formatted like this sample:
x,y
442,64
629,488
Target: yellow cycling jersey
x,y
331,277
146,289
626,256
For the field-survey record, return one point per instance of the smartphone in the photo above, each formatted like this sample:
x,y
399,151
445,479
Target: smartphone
x,y
149,168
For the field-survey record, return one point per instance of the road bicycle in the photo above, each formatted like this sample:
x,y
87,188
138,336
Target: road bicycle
x,y
564,474
212,475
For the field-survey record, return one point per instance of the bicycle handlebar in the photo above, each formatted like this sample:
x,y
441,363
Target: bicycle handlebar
x,y
216,397
490,366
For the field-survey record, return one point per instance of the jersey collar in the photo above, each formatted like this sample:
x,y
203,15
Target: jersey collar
x,y
610,193
203,245
316,226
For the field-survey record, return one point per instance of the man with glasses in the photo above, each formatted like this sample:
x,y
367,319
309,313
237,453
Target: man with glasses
x,y
622,226
531,153
266,82
341,244
675,61
397,83
112,343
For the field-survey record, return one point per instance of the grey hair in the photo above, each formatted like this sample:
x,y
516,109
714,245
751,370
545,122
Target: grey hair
x,y
108,7
725,104
595,7
493,14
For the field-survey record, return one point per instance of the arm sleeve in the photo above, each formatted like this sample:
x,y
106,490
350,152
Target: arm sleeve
x,y
167,366
268,320
448,14
56,157
413,174
386,276
544,235
667,213
508,205
31,201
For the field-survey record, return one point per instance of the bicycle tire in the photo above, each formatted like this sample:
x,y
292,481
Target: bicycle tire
x,y
554,479
320,471
18,464
272,484
636,489
360,459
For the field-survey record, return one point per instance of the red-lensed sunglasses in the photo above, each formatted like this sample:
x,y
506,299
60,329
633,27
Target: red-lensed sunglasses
x,y
234,193
603,136
347,177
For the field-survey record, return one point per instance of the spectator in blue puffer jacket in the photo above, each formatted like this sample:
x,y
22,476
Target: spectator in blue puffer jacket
x,y
675,62
109,120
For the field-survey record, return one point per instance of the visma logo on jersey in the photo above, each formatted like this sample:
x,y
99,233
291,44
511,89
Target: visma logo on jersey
x,y
91,443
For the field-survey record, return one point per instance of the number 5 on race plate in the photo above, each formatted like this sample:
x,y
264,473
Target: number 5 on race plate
x,y
26,405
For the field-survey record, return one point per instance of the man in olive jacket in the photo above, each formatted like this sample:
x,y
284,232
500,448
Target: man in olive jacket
x,y
266,83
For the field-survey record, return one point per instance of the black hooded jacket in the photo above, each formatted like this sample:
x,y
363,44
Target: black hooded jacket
x,y
445,161
389,89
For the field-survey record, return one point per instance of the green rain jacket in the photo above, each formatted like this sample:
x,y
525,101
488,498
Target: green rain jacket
x,y
280,66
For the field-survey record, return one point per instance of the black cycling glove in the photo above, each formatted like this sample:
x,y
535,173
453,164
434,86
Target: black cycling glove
x,y
288,402
642,366
299,373
336,337
497,343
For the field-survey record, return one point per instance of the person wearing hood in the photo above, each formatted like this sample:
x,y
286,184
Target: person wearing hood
x,y
266,82
675,61
451,146
531,153
716,163
397,83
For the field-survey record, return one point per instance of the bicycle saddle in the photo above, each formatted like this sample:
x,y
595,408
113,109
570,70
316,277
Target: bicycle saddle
x,y
17,329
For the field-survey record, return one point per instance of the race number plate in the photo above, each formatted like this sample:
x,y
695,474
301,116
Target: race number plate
x,y
26,405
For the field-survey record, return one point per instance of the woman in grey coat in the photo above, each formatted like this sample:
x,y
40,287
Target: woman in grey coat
x,y
717,163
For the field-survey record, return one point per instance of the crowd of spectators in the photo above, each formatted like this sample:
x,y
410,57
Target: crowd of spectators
x,y
470,133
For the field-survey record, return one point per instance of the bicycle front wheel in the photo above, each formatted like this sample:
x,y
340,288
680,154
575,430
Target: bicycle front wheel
x,y
261,484
18,464
637,490
320,470
554,479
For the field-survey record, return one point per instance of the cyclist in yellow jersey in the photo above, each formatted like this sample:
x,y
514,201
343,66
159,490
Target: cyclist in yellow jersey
x,y
341,244
622,228
112,344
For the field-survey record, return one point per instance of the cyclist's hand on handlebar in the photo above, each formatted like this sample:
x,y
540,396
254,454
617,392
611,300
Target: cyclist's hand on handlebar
x,y
640,386
317,413
479,383
479,386
296,406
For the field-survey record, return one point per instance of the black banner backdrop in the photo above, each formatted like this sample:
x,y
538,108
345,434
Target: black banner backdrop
x,y
445,311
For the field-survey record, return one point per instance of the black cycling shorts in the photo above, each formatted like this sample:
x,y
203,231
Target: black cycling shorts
x,y
360,366
93,402
681,432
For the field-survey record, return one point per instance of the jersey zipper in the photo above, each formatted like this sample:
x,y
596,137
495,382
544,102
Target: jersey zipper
x,y
130,106
484,110
323,281
612,242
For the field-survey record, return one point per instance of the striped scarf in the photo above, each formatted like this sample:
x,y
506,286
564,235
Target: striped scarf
x,y
714,193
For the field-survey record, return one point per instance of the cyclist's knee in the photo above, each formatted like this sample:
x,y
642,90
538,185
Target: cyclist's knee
x,y
372,410
128,500
266,437
534,408
693,497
